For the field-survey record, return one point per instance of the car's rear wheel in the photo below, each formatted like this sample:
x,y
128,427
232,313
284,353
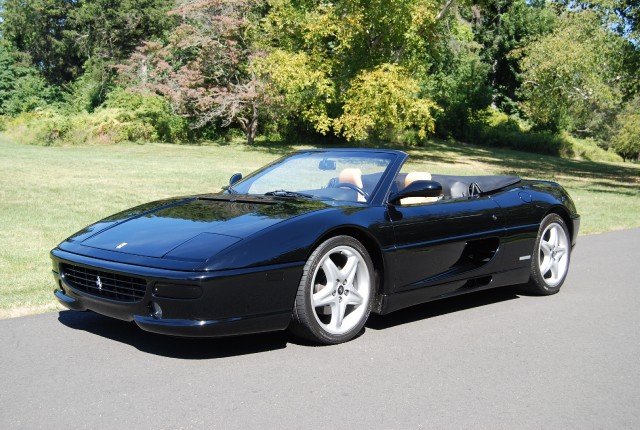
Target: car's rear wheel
x,y
335,293
552,254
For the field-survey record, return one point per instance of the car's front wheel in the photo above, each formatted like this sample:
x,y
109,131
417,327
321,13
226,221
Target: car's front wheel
x,y
335,293
552,254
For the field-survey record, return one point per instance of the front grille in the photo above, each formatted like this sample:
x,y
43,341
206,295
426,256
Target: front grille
x,y
105,284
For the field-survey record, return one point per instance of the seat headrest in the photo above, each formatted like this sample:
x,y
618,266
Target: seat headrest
x,y
416,176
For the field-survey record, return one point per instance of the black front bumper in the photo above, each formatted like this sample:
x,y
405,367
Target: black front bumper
x,y
232,302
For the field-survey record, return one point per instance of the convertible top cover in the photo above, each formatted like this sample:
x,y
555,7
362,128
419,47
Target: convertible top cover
x,y
459,186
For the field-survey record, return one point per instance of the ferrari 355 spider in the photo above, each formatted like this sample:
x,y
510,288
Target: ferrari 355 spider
x,y
315,242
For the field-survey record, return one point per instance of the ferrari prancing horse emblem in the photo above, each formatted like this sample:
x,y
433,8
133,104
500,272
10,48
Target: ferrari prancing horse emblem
x,y
99,283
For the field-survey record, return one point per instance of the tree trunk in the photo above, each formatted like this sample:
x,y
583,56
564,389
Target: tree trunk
x,y
252,127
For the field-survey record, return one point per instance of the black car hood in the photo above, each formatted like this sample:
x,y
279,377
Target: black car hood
x,y
191,229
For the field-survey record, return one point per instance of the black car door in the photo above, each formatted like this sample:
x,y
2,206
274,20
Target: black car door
x,y
442,241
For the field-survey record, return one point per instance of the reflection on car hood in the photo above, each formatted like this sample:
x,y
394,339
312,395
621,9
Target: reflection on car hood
x,y
155,229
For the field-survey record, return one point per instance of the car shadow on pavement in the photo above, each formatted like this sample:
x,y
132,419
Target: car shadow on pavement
x,y
442,307
168,346
205,349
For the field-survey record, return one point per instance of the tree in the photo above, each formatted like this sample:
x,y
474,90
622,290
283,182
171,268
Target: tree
x,y
459,82
573,73
203,67
22,88
626,139
354,46
623,16
37,27
384,99
295,88
62,35
503,28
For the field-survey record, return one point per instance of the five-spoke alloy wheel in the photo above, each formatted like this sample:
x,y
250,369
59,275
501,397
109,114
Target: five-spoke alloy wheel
x,y
552,253
335,293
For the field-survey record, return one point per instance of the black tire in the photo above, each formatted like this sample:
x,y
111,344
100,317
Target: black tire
x,y
332,311
551,257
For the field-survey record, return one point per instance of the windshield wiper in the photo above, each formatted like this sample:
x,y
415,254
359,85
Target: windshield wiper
x,y
231,190
285,193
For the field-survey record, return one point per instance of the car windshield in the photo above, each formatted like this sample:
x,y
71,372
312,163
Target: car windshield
x,y
332,175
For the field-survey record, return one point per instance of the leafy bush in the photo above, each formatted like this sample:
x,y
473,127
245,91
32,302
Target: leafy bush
x,y
89,90
126,117
536,142
30,92
494,128
461,88
152,111
626,140
22,86
384,100
501,130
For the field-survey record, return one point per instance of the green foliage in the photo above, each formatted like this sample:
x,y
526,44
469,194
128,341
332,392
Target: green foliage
x,y
383,70
153,111
126,117
626,140
110,30
383,100
37,27
347,37
499,130
541,142
22,88
589,149
461,87
61,35
30,92
90,89
295,88
503,28
202,67
349,49
573,72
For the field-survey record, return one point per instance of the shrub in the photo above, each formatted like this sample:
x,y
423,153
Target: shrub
x,y
626,140
127,117
42,127
31,92
152,111
502,131
384,100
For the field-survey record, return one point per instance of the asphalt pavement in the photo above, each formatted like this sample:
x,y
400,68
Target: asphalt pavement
x,y
490,360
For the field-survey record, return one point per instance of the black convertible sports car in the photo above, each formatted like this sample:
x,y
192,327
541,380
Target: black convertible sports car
x,y
315,241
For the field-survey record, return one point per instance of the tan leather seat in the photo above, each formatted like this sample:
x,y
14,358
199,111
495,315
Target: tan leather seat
x,y
352,176
417,176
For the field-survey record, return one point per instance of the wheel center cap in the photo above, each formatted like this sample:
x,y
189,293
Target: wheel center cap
x,y
340,290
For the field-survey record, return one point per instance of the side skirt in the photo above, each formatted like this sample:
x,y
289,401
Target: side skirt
x,y
394,302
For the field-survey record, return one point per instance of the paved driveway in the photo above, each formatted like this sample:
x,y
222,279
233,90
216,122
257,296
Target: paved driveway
x,y
489,360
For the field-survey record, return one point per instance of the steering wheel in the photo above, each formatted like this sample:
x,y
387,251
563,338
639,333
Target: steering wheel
x,y
354,188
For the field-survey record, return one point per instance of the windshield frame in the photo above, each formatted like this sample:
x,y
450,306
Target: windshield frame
x,y
376,196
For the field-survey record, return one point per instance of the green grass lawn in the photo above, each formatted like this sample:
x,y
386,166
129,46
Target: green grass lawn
x,y
48,193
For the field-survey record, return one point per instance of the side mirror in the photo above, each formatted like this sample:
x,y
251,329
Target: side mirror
x,y
235,178
417,189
